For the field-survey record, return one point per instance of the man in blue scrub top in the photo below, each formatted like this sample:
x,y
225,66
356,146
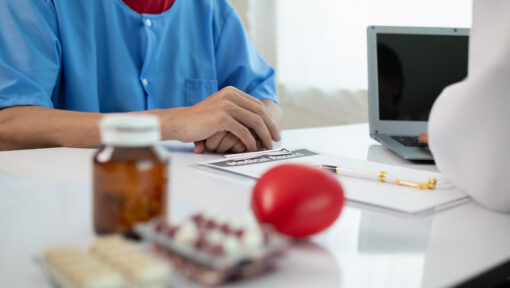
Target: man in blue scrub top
x,y
63,64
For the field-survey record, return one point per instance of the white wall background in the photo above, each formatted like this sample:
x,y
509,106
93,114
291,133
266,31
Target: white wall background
x,y
318,49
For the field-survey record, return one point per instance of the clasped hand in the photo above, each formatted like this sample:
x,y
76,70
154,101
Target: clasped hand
x,y
228,120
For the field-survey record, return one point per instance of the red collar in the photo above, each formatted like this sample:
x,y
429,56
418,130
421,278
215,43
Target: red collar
x,y
149,6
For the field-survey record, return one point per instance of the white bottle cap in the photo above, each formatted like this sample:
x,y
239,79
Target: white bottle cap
x,y
130,130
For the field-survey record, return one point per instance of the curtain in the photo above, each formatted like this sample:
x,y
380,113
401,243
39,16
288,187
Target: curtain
x,y
318,49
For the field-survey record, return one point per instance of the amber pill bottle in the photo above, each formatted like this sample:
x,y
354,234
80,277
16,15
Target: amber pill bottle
x,y
130,173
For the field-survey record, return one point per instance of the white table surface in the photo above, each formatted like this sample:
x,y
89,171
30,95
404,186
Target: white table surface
x,y
45,199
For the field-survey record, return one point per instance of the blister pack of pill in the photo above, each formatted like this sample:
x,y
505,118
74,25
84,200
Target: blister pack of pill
x,y
111,262
141,268
70,267
211,251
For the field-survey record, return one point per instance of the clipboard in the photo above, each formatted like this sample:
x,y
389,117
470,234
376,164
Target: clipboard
x,y
367,192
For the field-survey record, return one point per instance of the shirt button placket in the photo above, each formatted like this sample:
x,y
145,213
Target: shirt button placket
x,y
145,82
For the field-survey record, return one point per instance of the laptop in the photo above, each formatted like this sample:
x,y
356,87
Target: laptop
x,y
408,67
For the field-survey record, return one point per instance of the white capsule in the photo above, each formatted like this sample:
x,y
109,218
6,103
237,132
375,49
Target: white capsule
x,y
236,225
209,215
219,220
176,222
187,233
253,238
232,245
215,237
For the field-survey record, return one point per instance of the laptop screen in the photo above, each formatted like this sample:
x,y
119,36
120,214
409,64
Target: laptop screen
x,y
413,69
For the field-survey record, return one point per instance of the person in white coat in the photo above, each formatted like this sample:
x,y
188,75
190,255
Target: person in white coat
x,y
469,125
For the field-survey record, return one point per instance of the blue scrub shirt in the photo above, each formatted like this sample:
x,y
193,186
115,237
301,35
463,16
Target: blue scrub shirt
x,y
101,56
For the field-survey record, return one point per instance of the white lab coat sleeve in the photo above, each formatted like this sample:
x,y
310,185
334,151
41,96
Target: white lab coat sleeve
x,y
469,125
469,136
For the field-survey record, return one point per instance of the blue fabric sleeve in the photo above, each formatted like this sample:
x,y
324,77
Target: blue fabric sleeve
x,y
30,53
238,62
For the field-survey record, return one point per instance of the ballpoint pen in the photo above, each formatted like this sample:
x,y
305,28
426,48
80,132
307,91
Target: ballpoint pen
x,y
383,176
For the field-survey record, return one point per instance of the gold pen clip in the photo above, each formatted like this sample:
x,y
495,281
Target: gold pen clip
x,y
426,186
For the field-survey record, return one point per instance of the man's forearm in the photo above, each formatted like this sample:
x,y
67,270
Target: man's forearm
x,y
26,127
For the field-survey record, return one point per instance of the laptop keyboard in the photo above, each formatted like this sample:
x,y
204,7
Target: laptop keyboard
x,y
409,141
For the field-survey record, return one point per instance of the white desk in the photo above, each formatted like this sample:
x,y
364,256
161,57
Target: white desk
x,y
45,199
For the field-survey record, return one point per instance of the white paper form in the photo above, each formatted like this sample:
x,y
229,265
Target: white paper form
x,y
371,192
